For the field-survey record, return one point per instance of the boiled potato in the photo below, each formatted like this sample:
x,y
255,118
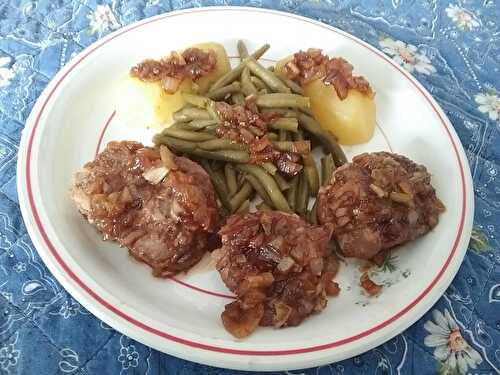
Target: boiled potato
x,y
222,67
351,120
147,104
279,68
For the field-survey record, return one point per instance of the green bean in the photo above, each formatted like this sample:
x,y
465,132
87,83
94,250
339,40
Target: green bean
x,y
212,129
270,167
284,112
284,123
308,111
175,143
302,196
230,175
220,144
218,183
298,136
244,207
312,215
222,92
196,100
188,114
187,135
240,196
311,173
262,206
282,100
232,156
282,183
234,74
257,186
258,83
240,178
237,98
242,49
327,167
291,193
179,125
325,137
269,78
191,148
272,136
212,111
201,124
295,87
300,147
283,135
247,87
270,185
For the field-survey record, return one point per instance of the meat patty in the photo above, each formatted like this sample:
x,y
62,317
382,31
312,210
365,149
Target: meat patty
x,y
280,268
166,218
378,201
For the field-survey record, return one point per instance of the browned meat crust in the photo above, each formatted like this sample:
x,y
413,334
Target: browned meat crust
x,y
280,267
167,224
377,202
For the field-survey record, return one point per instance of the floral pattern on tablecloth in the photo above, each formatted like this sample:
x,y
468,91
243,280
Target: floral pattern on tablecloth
x,y
452,47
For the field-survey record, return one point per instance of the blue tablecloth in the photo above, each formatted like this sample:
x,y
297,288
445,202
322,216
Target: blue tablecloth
x,y
452,47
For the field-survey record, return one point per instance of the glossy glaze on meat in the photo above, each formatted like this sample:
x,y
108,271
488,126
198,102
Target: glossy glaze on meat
x,y
280,267
377,202
164,221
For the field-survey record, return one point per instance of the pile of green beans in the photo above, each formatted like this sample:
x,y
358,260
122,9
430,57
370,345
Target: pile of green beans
x,y
236,181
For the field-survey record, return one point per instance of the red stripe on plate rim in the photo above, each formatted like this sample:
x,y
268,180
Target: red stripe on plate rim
x,y
212,348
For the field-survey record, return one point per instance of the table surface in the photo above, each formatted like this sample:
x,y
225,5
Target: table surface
x,y
452,47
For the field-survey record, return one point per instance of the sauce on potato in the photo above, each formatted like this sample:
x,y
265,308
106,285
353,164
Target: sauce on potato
x,y
145,91
341,102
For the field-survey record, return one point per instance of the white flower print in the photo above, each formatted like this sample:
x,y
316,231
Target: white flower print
x,y
7,296
407,55
128,356
102,19
6,74
20,267
490,104
464,19
69,309
8,356
451,348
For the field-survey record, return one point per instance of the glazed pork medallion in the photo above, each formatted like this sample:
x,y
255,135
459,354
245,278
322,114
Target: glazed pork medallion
x,y
377,202
232,169
162,209
280,268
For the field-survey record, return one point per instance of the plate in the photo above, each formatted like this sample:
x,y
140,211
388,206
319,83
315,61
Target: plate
x,y
78,114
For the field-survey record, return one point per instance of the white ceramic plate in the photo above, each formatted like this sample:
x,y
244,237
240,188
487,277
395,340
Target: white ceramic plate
x,y
75,116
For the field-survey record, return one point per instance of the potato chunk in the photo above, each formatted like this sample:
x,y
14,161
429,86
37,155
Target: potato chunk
x,y
222,67
147,103
351,120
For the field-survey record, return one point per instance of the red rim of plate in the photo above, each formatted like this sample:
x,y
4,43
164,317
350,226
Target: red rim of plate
x,y
197,345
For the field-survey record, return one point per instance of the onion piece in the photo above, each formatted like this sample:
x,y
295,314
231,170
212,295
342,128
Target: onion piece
x,y
171,84
155,175
167,157
285,264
